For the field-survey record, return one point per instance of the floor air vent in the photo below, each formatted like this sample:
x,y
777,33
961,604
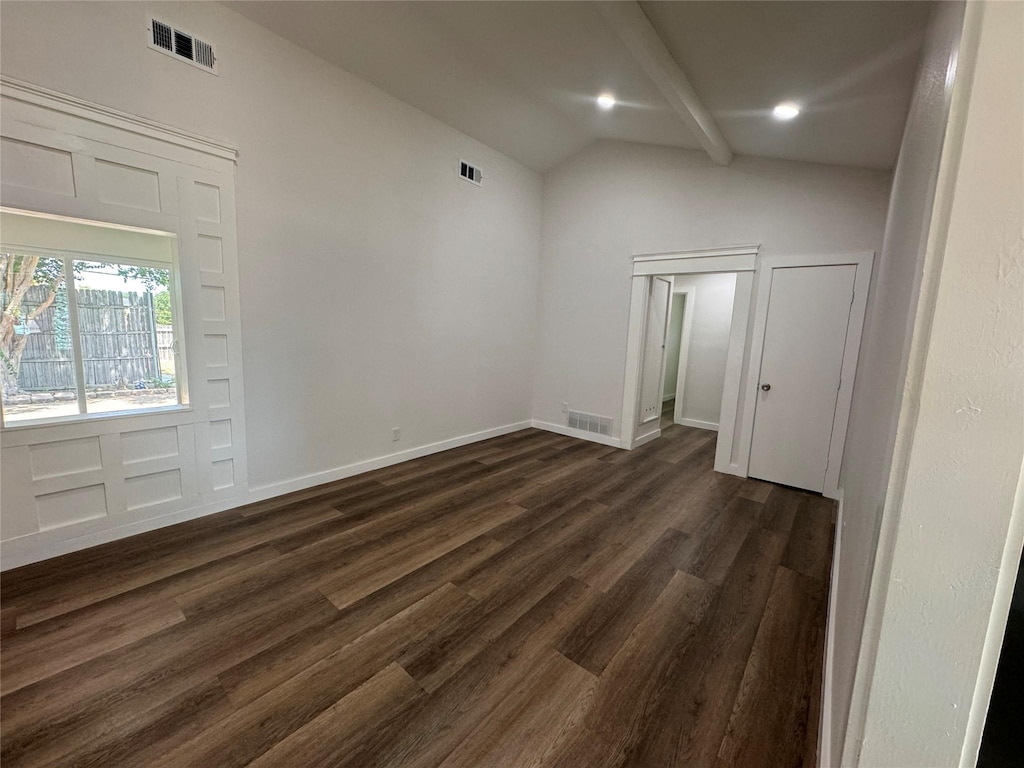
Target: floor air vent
x,y
588,422
181,45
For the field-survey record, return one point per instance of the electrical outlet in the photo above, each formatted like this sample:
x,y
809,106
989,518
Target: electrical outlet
x,y
565,407
395,434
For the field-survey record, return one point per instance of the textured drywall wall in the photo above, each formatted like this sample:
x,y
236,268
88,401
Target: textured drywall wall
x,y
883,360
957,521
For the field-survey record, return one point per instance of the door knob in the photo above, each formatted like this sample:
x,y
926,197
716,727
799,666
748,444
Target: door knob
x,y
765,387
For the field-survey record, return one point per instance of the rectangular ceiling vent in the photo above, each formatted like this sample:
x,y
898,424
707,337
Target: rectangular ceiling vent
x,y
181,45
470,173
588,422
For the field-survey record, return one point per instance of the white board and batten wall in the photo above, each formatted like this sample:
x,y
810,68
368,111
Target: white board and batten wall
x,y
70,485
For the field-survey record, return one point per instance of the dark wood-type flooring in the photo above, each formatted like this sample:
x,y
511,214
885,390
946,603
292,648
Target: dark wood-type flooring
x,y
531,600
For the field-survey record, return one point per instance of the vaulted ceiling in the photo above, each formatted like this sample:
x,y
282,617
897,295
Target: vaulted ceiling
x,y
522,77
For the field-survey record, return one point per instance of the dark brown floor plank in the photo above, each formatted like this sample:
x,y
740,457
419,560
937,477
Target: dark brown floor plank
x,y
259,726
602,630
529,600
324,740
768,727
687,727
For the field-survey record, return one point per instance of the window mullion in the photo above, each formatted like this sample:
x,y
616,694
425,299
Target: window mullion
x,y
76,336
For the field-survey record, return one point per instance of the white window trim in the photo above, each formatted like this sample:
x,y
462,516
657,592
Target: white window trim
x,y
67,256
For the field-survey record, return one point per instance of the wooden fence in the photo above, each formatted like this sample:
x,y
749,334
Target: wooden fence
x,y
121,342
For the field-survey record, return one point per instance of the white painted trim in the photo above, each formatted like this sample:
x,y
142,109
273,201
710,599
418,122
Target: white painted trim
x,y
647,437
634,345
25,549
695,253
681,263
710,425
19,90
712,263
828,673
664,337
689,294
641,39
730,418
863,261
582,434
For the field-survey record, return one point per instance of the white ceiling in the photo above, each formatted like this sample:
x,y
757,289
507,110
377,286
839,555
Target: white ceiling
x,y
522,76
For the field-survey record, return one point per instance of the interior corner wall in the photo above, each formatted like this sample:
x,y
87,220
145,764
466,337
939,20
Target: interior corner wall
x,y
377,288
883,359
615,200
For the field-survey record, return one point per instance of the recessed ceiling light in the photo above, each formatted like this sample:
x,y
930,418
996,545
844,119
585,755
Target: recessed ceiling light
x,y
785,111
606,101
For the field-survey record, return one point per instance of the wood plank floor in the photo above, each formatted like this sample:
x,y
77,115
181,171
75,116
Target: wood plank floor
x,y
531,600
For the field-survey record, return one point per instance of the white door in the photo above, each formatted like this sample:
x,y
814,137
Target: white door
x,y
653,366
801,363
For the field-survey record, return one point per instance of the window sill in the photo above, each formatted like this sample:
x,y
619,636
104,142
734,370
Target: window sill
x,y
84,418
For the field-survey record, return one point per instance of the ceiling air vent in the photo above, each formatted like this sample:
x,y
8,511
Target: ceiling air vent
x,y
182,45
470,173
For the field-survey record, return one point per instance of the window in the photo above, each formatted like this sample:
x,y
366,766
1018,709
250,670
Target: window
x,y
90,322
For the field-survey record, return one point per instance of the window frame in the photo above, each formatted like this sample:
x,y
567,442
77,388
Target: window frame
x,y
174,288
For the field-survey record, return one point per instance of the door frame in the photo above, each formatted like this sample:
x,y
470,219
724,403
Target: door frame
x,y
863,261
740,259
641,424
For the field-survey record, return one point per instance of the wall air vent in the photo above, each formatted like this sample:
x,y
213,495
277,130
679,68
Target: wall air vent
x,y
181,45
470,173
588,422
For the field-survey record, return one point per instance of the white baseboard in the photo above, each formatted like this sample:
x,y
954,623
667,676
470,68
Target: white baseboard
x,y
582,434
699,424
340,473
825,731
29,549
652,435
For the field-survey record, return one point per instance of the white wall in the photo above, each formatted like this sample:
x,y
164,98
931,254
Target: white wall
x,y
377,289
709,344
958,514
615,200
883,359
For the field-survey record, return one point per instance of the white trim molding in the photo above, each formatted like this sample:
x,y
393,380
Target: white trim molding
x,y
698,424
19,90
825,757
689,294
741,259
733,258
71,485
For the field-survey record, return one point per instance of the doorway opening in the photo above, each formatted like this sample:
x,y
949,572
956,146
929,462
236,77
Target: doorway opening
x,y
724,320
697,347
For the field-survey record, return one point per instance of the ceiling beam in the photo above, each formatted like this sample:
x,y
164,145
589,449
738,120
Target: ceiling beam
x,y
641,39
